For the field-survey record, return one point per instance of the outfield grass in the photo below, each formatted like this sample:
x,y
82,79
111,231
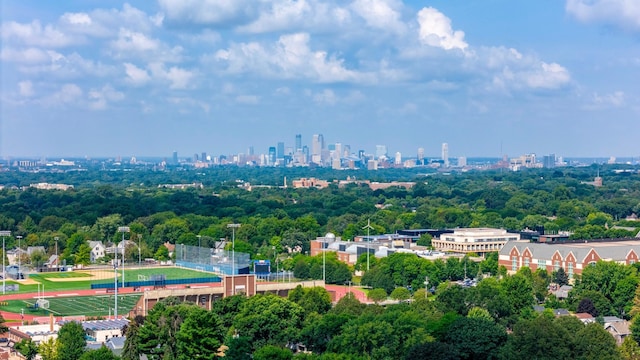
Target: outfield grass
x,y
130,275
99,305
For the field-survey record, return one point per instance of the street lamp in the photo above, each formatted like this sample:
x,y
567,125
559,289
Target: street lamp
x,y
199,240
4,233
233,256
368,227
122,229
19,237
426,287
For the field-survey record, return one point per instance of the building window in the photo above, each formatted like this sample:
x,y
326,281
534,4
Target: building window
x,y
570,270
632,261
556,265
514,263
526,262
542,264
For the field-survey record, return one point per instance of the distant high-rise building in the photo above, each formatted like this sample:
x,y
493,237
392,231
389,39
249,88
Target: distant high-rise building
x,y
381,151
195,157
337,151
298,143
317,145
445,154
462,161
420,156
204,156
346,151
175,157
398,158
250,151
271,159
280,151
549,161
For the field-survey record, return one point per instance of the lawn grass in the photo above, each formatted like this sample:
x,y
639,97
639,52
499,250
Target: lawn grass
x,y
98,305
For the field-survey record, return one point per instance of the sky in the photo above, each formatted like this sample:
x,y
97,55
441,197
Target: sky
x,y
490,78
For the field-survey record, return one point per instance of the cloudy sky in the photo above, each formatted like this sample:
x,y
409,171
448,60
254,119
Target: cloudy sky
x,y
145,78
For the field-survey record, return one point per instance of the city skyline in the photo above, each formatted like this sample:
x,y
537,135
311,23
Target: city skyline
x,y
116,78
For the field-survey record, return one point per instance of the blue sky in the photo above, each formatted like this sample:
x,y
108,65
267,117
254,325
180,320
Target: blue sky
x,y
145,78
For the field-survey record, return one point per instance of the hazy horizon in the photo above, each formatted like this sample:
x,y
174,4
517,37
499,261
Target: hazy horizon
x,y
114,78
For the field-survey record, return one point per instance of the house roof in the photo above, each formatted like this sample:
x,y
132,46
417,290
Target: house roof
x,y
618,327
94,243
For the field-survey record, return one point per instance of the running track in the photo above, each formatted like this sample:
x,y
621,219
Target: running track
x,y
339,291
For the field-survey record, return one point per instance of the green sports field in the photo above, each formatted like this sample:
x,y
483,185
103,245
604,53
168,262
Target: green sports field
x,y
94,306
79,280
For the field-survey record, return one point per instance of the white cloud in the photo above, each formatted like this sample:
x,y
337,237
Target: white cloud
x,y
289,58
286,15
619,13
24,56
102,22
186,103
178,78
248,99
435,30
99,98
327,96
615,99
136,75
208,12
68,66
380,14
34,34
509,70
25,88
67,94
134,44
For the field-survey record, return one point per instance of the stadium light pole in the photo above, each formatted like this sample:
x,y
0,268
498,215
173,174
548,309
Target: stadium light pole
x,y
139,258
122,229
4,233
57,261
233,256
368,227
19,237
115,285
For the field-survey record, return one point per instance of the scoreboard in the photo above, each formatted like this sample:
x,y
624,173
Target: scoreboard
x,y
262,267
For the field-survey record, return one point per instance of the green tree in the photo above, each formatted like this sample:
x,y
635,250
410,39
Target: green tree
x,y
400,293
131,351
103,353
27,348
629,350
593,342
432,351
271,352
48,349
239,348
377,295
316,299
540,338
71,341
479,313
200,335
269,320
83,256
476,338
162,254
425,240
560,277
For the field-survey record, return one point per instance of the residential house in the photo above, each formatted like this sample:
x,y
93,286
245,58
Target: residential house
x,y
618,328
97,250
